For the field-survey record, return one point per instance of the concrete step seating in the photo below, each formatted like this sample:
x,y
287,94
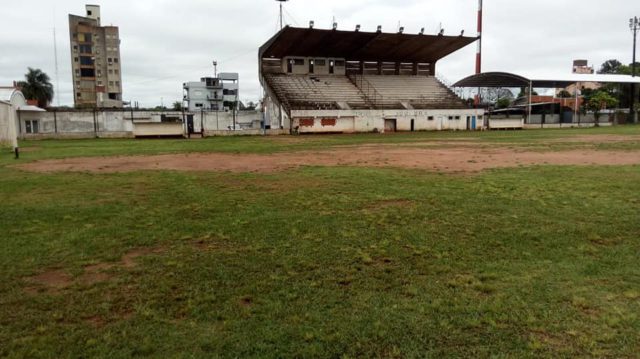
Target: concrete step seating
x,y
422,92
316,91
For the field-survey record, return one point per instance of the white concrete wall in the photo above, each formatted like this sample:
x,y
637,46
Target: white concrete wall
x,y
506,123
348,121
8,133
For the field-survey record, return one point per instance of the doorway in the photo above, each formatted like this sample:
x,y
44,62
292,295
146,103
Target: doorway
x,y
413,125
390,125
190,127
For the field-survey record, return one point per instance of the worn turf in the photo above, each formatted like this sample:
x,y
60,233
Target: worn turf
x,y
319,262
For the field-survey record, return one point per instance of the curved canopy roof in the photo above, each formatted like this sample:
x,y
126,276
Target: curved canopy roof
x,y
362,46
505,79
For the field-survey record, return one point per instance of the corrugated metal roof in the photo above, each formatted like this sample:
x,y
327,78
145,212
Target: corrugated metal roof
x,y
362,46
504,79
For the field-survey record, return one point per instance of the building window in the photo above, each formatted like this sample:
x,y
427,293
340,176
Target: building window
x,y
99,83
77,72
298,62
457,117
117,72
85,49
199,105
115,59
31,126
75,59
109,60
118,83
110,72
86,60
430,118
110,83
75,47
78,95
99,73
87,73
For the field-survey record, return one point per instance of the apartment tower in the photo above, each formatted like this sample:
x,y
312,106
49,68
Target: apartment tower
x,y
95,61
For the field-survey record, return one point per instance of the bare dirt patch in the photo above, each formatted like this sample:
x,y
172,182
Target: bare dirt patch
x,y
50,282
454,159
53,281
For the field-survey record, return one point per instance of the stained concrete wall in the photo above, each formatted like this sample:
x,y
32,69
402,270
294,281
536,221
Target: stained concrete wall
x,y
122,124
351,121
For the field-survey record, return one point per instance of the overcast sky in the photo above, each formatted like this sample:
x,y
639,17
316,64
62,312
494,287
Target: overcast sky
x,y
168,42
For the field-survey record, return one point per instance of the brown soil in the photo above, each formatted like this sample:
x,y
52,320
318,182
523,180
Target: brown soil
x,y
462,159
52,281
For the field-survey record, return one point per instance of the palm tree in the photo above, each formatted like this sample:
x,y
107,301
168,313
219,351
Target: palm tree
x,y
37,87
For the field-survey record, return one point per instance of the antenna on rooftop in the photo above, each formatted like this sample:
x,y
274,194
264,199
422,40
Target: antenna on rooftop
x,y
281,13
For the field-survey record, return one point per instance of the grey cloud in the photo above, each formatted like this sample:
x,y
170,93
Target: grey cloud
x,y
165,43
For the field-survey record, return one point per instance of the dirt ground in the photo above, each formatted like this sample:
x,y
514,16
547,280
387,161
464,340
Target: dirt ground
x,y
462,158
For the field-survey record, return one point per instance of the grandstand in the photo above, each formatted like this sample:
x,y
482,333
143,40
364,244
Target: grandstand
x,y
328,81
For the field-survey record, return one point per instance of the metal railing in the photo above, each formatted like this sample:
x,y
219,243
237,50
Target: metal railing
x,y
371,95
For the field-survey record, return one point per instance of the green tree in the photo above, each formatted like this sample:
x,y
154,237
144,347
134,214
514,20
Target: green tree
x,y
503,103
565,94
177,106
37,86
610,67
599,101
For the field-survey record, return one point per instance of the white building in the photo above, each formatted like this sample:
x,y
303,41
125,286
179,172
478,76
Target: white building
x,y
11,100
212,93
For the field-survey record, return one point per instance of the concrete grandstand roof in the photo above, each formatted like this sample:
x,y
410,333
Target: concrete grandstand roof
x,y
362,46
505,79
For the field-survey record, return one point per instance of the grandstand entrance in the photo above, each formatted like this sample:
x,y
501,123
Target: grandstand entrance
x,y
390,125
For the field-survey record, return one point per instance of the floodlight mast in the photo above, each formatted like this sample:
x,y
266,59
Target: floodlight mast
x,y
281,13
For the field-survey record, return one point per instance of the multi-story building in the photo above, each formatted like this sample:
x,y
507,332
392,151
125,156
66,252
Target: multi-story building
x,y
95,61
213,93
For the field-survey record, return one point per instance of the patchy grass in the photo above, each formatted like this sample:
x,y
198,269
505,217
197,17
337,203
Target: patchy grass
x,y
50,149
318,262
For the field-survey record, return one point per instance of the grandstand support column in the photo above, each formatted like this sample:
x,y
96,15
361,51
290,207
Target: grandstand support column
x,y
432,69
415,69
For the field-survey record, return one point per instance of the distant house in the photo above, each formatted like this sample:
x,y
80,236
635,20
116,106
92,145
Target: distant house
x,y
212,93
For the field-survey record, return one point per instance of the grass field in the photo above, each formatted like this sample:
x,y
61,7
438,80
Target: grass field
x,y
338,261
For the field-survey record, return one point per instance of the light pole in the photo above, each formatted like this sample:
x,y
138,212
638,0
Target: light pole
x,y
634,25
281,13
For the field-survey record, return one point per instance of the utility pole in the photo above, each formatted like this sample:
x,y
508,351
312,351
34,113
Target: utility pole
x,y
634,25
